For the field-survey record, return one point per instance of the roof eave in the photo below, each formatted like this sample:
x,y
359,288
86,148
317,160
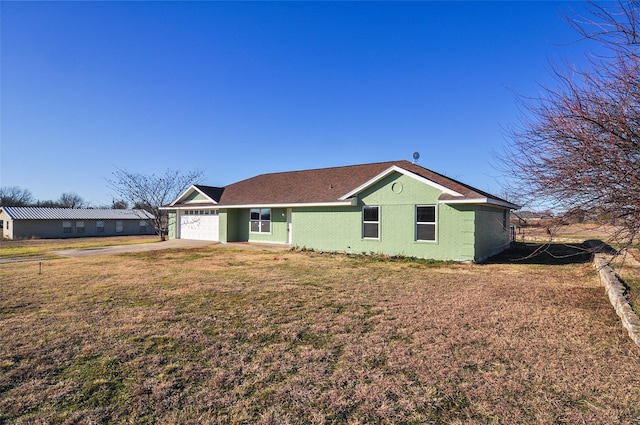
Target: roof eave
x,y
345,203
490,201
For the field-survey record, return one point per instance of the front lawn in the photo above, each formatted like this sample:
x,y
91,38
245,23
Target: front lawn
x,y
41,248
222,335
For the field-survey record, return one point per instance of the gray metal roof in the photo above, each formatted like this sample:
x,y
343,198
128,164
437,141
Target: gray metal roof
x,y
41,213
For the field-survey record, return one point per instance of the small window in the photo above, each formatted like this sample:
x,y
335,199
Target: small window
x,y
371,222
119,226
260,220
99,226
79,226
426,223
143,226
66,227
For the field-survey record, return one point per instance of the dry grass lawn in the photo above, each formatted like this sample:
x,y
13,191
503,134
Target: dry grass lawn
x,y
628,269
219,335
40,248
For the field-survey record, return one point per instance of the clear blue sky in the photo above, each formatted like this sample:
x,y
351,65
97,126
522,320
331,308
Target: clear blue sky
x,y
239,89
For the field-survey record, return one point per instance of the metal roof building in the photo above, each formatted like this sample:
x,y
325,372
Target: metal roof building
x,y
40,222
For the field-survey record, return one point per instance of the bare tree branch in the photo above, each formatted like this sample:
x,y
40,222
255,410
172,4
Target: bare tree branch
x,y
151,191
13,196
579,148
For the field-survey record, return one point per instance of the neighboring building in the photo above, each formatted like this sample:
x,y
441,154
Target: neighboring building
x,y
39,222
393,208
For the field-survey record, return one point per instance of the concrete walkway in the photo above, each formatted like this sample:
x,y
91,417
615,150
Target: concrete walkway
x,y
119,249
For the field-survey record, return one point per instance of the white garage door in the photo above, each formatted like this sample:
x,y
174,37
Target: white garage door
x,y
197,225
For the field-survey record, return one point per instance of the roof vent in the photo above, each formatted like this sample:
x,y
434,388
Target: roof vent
x,y
416,157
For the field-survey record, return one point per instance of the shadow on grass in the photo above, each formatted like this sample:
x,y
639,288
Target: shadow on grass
x,y
552,254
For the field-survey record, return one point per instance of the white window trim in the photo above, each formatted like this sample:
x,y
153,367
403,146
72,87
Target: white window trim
x,y
370,222
260,221
435,223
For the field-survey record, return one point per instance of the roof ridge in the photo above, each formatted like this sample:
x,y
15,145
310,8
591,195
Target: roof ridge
x,y
328,168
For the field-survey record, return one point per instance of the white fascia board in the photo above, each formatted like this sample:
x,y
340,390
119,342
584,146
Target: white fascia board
x,y
397,169
346,203
183,207
482,201
188,190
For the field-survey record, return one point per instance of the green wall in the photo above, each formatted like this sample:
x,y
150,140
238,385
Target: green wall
x,y
172,224
235,224
195,196
492,236
223,227
340,228
278,232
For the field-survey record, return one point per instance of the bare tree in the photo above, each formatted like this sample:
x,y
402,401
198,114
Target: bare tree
x,y
119,204
47,203
151,191
71,200
579,150
13,196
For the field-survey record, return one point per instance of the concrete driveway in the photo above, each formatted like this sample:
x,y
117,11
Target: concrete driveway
x,y
119,249
171,243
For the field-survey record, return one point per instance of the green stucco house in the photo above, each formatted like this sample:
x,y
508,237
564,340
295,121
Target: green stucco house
x,y
393,208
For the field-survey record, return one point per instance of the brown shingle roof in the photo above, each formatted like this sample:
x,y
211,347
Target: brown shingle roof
x,y
329,184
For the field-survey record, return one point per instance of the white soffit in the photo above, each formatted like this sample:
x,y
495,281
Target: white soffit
x,y
482,201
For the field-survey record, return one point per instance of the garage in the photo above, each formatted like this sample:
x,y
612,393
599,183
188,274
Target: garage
x,y
200,225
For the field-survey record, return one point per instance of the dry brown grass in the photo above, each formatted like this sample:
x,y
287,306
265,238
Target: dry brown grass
x,y
217,335
627,266
30,248
571,233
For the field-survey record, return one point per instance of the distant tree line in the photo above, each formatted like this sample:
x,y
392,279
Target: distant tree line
x,y
148,192
14,196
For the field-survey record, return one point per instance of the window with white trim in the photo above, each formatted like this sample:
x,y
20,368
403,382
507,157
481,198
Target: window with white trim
x,y
99,226
260,220
79,226
119,226
143,226
426,223
66,227
371,222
